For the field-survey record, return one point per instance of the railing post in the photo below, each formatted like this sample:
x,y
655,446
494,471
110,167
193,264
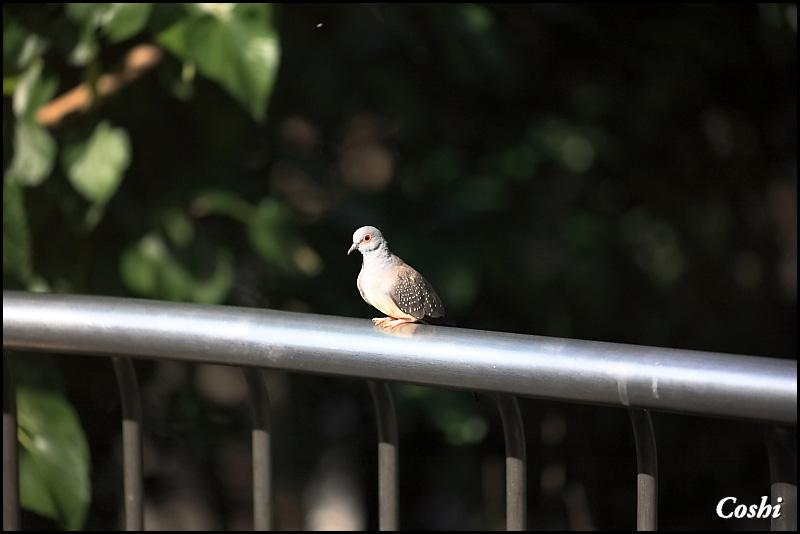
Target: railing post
x,y
131,442
782,450
516,472
647,464
262,449
387,455
10,458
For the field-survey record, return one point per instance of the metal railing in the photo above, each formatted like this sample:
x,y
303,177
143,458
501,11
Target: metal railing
x,y
507,365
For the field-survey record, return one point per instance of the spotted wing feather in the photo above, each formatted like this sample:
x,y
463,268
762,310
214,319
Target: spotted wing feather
x,y
415,296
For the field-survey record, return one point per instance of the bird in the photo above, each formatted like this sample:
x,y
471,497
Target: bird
x,y
392,286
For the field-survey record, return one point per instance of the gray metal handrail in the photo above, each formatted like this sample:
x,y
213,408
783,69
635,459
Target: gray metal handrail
x,y
639,378
701,383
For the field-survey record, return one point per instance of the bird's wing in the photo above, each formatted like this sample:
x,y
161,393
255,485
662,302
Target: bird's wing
x,y
413,295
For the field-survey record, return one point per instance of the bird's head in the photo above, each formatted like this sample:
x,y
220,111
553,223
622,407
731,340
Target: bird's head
x,y
366,239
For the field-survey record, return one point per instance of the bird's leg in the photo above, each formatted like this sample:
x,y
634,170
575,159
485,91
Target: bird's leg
x,y
390,322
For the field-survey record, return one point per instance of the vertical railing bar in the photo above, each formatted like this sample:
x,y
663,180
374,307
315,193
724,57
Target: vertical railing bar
x,y
262,449
133,474
647,467
516,472
782,450
387,455
11,514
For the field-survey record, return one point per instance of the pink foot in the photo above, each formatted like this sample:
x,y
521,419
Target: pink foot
x,y
390,322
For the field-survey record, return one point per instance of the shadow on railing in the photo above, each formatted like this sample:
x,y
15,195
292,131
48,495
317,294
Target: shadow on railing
x,y
637,378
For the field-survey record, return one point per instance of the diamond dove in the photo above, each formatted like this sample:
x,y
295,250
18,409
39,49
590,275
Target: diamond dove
x,y
394,287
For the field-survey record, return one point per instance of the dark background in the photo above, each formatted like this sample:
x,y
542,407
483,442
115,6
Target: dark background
x,y
602,172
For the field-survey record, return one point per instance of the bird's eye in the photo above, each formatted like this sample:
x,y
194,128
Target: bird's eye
x,y
367,238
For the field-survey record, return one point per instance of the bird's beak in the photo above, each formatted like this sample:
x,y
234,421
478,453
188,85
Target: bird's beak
x,y
354,247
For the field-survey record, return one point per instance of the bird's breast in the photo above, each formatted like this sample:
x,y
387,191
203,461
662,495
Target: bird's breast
x,y
376,289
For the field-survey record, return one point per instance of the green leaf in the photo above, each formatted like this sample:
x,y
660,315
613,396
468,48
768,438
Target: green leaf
x,y
34,154
221,202
271,235
20,47
16,233
119,21
124,20
95,167
234,44
34,148
85,15
215,288
139,266
33,91
178,227
53,459
150,269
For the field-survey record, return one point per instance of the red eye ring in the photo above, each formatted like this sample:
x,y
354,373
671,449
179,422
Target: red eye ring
x,y
367,238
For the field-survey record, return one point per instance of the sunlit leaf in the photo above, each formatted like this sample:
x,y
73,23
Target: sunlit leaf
x,y
118,21
34,148
234,44
86,16
33,91
124,20
95,167
34,154
54,458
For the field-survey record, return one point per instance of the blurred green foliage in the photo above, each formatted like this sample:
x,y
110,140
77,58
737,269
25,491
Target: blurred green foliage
x,y
619,173
53,458
235,45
